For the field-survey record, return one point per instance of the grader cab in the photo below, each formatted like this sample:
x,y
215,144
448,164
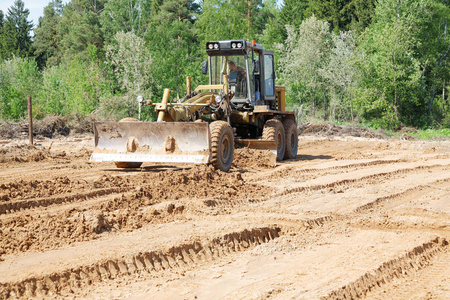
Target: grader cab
x,y
240,105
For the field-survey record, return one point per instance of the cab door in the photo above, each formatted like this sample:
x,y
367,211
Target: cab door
x,y
268,75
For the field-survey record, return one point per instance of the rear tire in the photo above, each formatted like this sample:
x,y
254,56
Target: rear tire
x,y
273,130
222,145
291,133
126,165
123,164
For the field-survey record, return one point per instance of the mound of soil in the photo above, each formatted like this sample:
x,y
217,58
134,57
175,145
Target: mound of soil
x,y
249,158
144,198
22,153
336,130
15,152
50,126
82,124
201,181
9,130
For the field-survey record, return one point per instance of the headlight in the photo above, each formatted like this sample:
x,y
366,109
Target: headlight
x,y
218,99
239,45
212,46
233,45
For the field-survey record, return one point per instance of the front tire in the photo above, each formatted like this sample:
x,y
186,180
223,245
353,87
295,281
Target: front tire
x,y
222,145
291,134
126,165
273,130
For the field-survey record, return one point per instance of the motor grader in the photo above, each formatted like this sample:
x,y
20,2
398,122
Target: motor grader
x,y
240,105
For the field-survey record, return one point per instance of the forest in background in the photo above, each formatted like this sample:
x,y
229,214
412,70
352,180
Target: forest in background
x,y
383,63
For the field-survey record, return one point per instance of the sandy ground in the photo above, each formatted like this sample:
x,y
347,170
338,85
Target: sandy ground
x,y
348,218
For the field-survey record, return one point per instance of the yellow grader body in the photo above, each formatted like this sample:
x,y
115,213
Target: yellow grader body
x,y
243,108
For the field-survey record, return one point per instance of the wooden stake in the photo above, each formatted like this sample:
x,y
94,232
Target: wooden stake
x,y
30,121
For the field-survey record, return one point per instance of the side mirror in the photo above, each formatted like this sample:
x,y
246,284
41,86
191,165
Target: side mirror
x,y
204,67
256,66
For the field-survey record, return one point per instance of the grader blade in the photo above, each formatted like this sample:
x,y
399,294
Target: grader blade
x,y
167,142
270,145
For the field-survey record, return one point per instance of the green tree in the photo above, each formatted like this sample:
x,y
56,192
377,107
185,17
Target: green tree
x,y
341,77
80,27
403,56
293,12
174,45
72,87
340,14
266,23
433,54
222,20
259,13
84,86
8,40
330,11
127,16
19,78
53,95
304,53
131,62
15,33
181,10
390,73
358,15
234,19
1,19
156,4
272,34
47,39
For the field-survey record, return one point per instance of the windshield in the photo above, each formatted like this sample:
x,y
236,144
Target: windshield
x,y
235,68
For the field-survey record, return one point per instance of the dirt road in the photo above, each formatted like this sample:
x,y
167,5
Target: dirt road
x,y
348,218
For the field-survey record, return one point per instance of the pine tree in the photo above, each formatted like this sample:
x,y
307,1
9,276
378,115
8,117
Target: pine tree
x,y
16,39
340,14
8,41
1,33
181,10
329,11
358,14
172,41
1,19
156,4
293,12
80,29
47,39
270,30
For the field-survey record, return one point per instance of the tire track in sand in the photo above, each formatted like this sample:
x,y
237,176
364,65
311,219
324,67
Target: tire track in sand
x,y
180,257
414,260
432,282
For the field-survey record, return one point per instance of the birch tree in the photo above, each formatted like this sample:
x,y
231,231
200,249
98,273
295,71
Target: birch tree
x,y
341,76
131,62
304,53
126,16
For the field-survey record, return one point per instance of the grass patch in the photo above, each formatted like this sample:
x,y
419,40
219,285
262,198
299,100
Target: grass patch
x,y
433,134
